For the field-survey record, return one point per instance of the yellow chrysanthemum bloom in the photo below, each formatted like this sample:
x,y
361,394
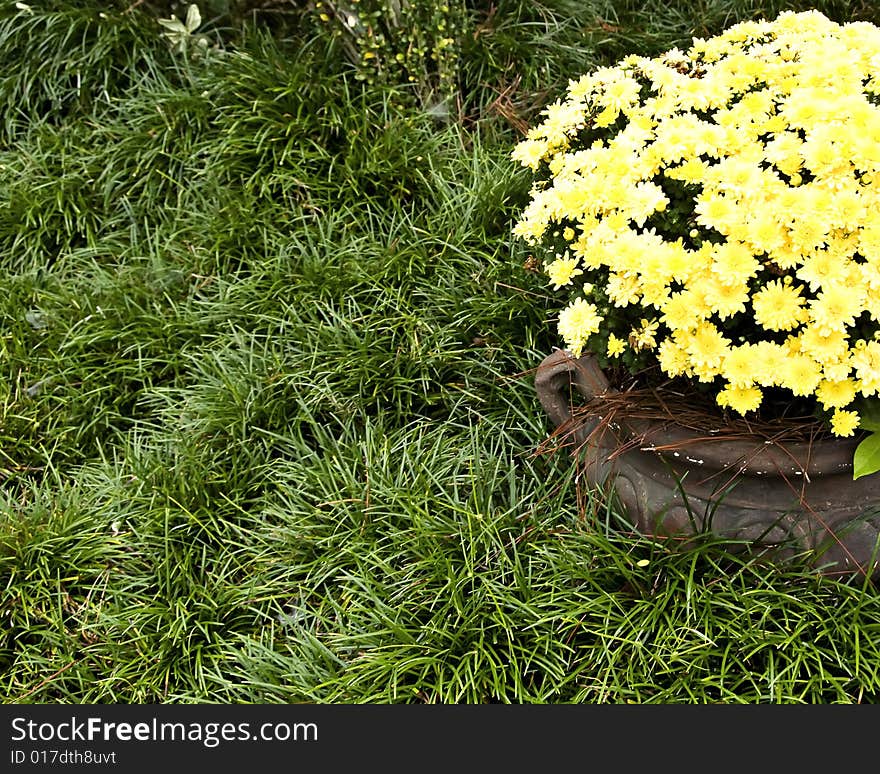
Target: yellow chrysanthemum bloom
x,y
562,271
800,374
844,423
673,358
623,289
826,346
725,298
836,307
769,359
865,360
683,310
577,322
740,366
778,306
616,346
645,335
836,394
530,153
707,346
740,399
727,193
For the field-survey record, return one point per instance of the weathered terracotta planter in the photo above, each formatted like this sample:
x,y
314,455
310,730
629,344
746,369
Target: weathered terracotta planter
x,y
798,497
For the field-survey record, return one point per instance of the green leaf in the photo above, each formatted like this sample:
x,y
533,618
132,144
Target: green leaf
x,y
869,413
174,24
193,18
866,459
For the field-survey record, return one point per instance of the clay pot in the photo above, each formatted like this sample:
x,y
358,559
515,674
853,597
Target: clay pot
x,y
799,498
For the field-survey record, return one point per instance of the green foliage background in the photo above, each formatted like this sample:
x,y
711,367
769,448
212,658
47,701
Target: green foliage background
x,y
267,432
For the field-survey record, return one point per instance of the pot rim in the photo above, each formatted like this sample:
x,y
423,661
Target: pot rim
x,y
754,457
757,456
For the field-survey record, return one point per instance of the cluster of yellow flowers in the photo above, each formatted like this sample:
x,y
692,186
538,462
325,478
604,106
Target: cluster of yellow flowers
x,y
772,277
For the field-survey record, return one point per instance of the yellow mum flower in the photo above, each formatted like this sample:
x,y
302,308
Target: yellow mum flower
x,y
562,271
623,289
764,232
740,399
644,199
725,298
644,337
836,394
836,307
689,171
776,201
865,359
869,240
734,262
616,346
706,346
682,310
821,268
673,358
779,306
717,211
654,292
785,152
577,322
769,358
740,366
809,233
606,116
824,345
837,372
530,153
844,423
561,119
800,374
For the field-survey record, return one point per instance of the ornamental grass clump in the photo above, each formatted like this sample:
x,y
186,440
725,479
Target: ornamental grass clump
x,y
714,212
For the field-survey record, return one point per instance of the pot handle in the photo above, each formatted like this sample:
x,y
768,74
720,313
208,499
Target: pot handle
x,y
560,371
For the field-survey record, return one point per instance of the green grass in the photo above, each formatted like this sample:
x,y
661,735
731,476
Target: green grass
x,y
267,429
